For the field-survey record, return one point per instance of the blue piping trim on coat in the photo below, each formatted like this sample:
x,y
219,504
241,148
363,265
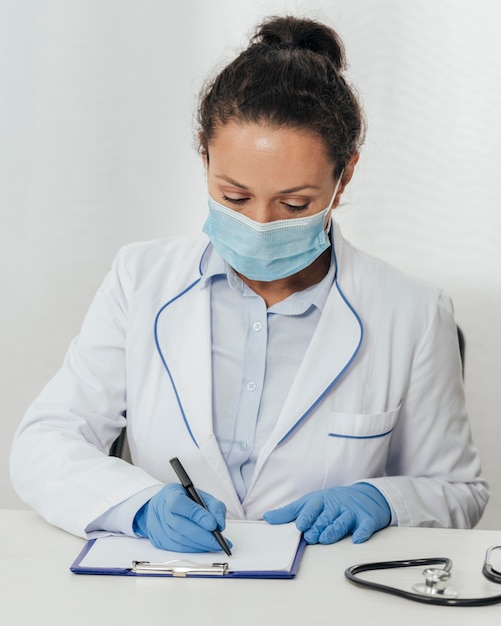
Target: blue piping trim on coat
x,y
155,331
361,437
329,387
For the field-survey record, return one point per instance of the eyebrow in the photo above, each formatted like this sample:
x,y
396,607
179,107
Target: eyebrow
x,y
284,191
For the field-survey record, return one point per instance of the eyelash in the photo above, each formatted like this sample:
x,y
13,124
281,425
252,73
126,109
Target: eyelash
x,y
236,201
290,207
297,207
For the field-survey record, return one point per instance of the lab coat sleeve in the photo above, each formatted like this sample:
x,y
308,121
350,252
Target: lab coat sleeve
x,y
59,460
433,474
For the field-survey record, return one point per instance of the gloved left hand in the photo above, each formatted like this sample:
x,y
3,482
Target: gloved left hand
x,y
326,516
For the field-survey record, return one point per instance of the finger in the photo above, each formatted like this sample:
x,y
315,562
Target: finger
x,y
284,514
340,527
310,512
188,536
365,530
312,535
194,538
324,520
216,507
178,503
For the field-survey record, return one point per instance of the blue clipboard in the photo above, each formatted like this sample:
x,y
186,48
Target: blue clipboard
x,y
260,550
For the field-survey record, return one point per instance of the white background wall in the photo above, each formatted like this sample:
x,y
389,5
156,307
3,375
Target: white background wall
x,y
96,150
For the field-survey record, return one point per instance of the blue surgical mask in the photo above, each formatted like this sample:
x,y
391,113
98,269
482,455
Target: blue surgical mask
x,y
271,250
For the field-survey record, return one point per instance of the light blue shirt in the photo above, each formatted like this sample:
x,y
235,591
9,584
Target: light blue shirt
x,y
256,354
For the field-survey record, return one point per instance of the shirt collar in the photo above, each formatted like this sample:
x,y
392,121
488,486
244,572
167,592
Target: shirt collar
x,y
214,265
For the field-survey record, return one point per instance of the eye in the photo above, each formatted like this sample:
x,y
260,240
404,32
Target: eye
x,y
235,201
296,208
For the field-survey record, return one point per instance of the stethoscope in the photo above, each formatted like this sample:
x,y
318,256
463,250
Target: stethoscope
x,y
436,588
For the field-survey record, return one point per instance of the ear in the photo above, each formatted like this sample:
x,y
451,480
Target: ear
x,y
349,169
346,177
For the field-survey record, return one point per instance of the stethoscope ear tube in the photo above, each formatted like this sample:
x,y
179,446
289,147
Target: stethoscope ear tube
x,y
488,570
441,600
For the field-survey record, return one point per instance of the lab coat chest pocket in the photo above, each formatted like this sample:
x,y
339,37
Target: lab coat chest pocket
x,y
358,445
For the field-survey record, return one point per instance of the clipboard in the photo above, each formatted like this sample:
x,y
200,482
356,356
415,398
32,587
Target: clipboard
x,y
260,550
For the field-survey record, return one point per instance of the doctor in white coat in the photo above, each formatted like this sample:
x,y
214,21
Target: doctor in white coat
x,y
296,377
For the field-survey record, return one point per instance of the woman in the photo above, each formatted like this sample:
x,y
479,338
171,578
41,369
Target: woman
x,y
295,377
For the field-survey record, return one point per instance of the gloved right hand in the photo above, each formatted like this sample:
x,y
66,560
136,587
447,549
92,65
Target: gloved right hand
x,y
171,520
327,515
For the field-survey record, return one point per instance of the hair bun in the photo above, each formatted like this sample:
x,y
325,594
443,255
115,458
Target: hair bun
x,y
293,32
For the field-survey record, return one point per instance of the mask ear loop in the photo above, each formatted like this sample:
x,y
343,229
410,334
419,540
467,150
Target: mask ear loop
x,y
329,209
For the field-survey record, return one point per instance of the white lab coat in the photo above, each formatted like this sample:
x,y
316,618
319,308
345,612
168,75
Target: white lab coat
x,y
378,397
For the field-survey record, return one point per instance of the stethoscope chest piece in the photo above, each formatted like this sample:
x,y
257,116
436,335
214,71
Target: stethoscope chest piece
x,y
436,583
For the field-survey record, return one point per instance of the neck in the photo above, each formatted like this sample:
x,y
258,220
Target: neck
x,y
277,290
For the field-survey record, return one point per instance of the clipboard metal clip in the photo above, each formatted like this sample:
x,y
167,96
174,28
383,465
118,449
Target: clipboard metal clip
x,y
179,569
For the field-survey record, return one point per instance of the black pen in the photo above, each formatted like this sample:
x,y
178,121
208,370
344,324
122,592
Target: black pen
x,y
186,482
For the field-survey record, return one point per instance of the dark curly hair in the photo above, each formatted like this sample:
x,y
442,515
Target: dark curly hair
x,y
291,75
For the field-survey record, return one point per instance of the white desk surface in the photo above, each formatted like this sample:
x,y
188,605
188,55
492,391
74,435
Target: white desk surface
x,y
37,586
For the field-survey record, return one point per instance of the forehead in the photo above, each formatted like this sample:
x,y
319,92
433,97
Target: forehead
x,y
254,148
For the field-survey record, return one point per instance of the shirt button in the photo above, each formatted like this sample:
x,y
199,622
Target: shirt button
x,y
243,446
257,326
251,386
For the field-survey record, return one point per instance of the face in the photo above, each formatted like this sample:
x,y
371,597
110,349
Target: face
x,y
268,173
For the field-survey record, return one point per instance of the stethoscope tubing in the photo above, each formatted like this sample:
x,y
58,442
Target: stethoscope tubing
x,y
352,572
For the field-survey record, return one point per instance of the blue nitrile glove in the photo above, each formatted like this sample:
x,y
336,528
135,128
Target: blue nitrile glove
x,y
326,516
171,520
